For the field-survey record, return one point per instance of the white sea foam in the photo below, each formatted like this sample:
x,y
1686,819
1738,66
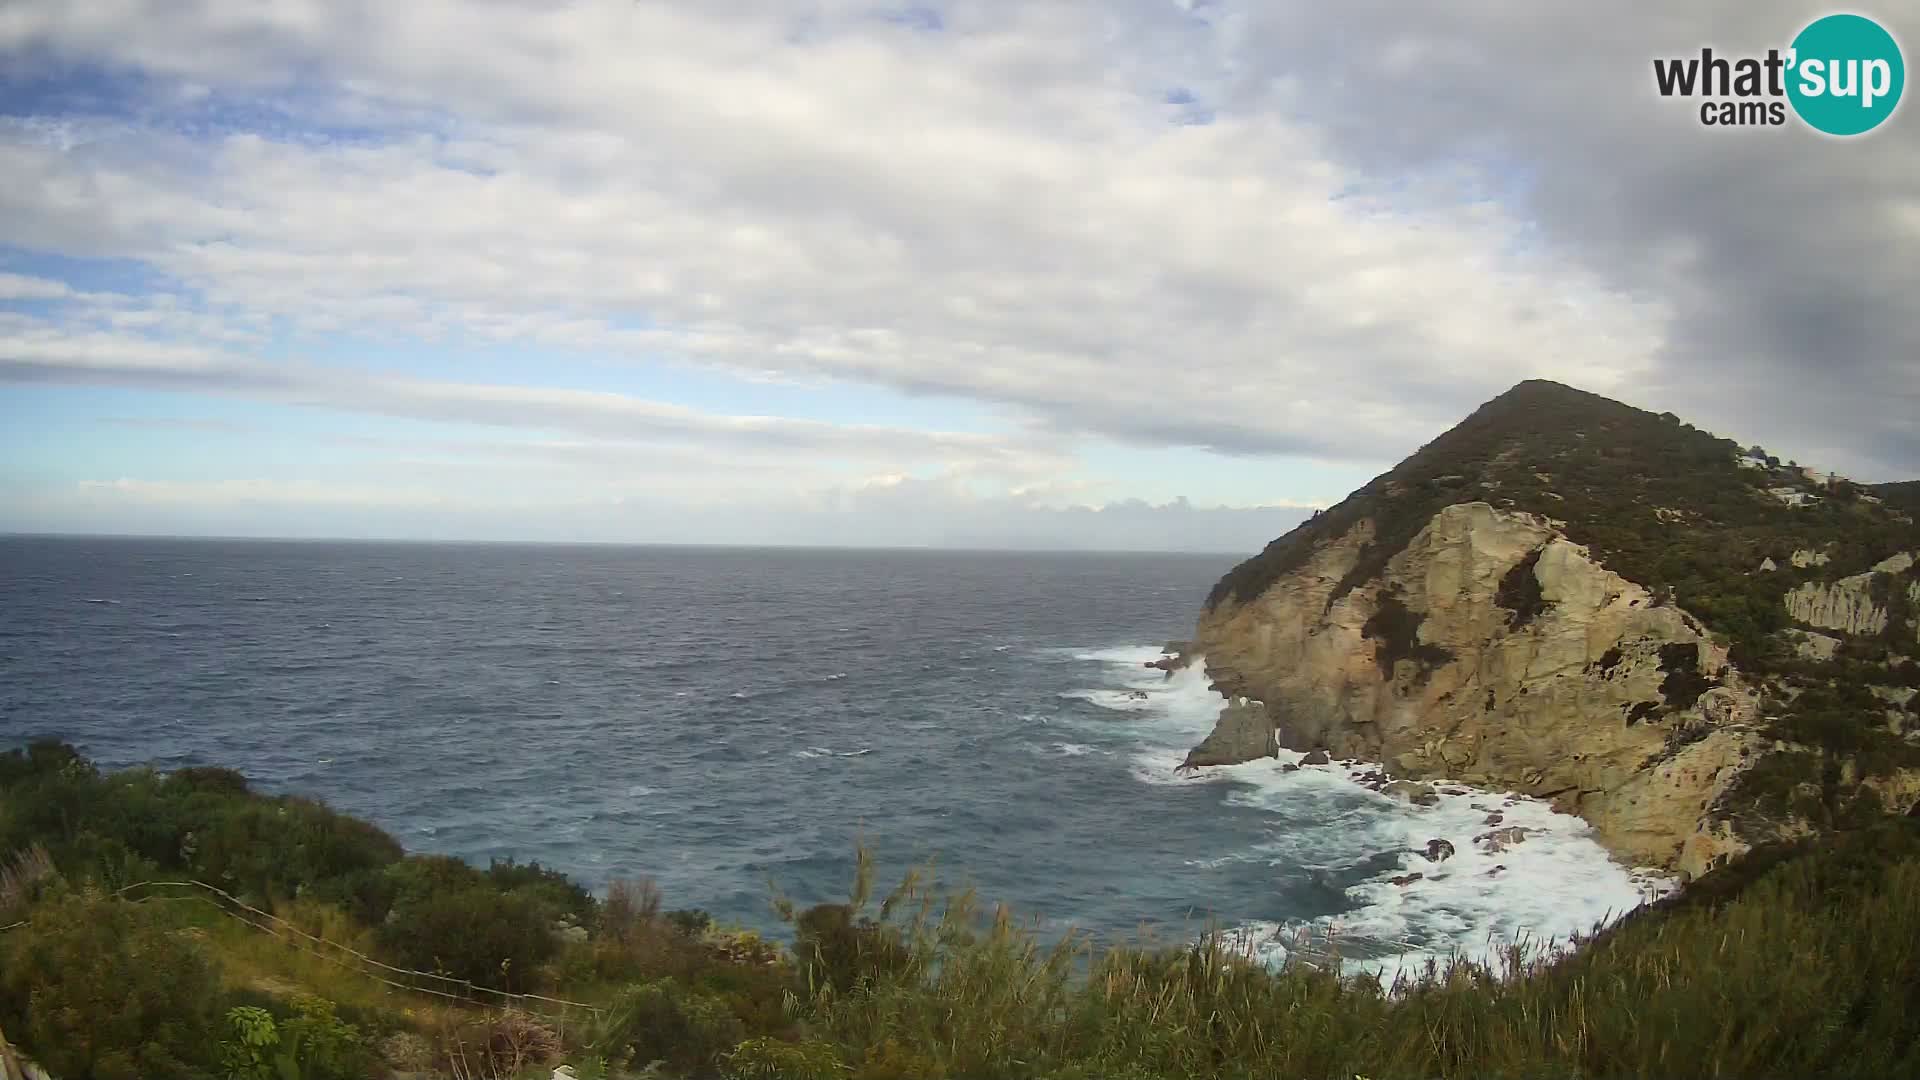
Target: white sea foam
x,y
1136,655
828,751
1072,749
1558,882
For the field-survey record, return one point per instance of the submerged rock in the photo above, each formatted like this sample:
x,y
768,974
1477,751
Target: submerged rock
x,y
1502,839
1179,656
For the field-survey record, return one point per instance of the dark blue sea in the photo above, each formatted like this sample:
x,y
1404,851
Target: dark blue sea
x,y
726,720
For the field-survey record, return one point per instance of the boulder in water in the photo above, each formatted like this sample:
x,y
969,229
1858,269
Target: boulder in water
x,y
1502,839
1438,850
1243,732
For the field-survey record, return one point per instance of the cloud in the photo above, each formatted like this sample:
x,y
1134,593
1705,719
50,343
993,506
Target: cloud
x,y
1006,211
1273,231
895,511
23,287
50,354
1784,259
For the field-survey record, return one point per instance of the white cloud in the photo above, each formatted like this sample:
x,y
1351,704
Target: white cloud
x,y
23,287
423,501
1395,212
1003,212
51,354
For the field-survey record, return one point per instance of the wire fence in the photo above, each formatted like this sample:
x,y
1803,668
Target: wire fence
x,y
411,980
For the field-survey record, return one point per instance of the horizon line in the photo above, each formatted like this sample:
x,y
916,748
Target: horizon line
x,y
703,545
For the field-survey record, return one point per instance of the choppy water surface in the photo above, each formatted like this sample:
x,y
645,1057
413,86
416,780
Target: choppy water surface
x,y
717,719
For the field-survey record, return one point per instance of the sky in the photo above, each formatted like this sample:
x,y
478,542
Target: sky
x,y
1132,274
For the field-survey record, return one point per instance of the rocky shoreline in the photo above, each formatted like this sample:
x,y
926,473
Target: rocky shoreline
x,y
1245,732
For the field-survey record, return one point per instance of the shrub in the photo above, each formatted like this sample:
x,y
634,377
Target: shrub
x,y
500,1044
470,932
630,908
664,1021
558,893
22,878
633,942
690,922
101,989
838,950
311,1044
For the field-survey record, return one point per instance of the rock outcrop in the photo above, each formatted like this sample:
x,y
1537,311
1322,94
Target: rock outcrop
x,y
1610,704
1243,733
1550,597
1847,605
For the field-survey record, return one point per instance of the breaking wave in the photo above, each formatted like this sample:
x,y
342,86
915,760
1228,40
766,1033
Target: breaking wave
x,y
1399,909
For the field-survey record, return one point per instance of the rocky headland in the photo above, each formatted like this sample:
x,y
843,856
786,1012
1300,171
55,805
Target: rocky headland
x,y
1586,603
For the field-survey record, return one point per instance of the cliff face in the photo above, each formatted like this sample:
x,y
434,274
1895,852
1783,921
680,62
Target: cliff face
x,y
1591,695
1478,639
1849,604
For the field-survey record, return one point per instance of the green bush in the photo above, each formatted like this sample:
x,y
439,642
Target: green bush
x,y
101,989
471,932
837,949
558,893
664,1021
198,822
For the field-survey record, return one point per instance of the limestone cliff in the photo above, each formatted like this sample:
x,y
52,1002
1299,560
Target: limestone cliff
x,y
1478,639
1614,707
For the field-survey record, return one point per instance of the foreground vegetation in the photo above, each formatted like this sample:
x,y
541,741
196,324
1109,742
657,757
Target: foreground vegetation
x,y
1795,962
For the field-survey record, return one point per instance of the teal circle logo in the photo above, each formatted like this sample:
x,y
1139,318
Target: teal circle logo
x,y
1846,74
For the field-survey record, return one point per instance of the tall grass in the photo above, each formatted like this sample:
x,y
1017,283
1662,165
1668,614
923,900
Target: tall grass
x,y
1810,969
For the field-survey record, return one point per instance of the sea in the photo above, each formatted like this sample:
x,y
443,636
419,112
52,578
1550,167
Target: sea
x,y
735,723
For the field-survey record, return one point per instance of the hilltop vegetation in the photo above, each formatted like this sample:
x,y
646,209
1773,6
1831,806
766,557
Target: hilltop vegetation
x,y
1797,961
1902,495
1655,499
